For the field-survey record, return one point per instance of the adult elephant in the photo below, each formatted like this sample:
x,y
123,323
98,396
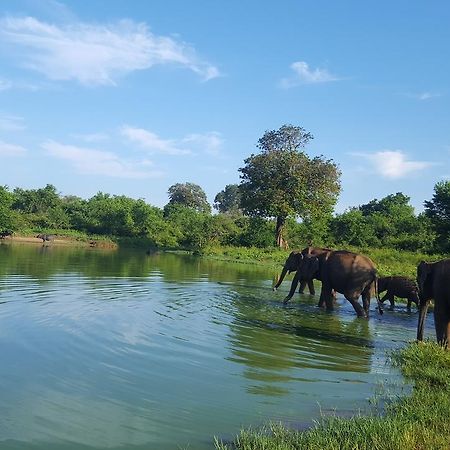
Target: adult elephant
x,y
434,283
292,263
398,286
351,274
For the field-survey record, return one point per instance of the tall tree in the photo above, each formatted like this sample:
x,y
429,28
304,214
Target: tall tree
x,y
190,195
228,200
438,210
283,181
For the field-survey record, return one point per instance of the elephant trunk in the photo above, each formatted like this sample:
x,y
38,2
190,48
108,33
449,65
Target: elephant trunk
x,y
280,280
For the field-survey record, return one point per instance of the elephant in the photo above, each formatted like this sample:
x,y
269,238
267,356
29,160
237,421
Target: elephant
x,y
292,263
5,233
398,286
349,273
46,237
434,283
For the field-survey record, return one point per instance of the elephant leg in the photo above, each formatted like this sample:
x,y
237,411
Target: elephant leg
x,y
366,301
442,323
360,311
333,293
312,291
414,298
326,298
423,307
301,289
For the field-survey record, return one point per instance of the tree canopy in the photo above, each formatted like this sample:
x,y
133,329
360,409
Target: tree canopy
x,y
228,200
438,211
283,181
190,195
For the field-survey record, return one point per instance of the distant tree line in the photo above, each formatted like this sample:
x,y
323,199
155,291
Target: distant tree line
x,y
285,198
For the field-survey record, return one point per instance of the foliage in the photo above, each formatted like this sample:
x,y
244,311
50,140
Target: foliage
x,y
283,181
7,219
228,200
389,222
192,229
438,211
190,195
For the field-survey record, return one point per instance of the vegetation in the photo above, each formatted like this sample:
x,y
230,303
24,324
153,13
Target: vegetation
x,y
417,421
438,210
283,181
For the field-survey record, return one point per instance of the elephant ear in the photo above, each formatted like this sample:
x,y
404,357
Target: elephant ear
x,y
425,280
310,266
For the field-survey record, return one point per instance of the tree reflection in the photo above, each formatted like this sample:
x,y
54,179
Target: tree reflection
x,y
281,345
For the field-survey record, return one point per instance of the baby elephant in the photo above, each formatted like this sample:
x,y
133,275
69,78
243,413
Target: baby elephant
x,y
398,286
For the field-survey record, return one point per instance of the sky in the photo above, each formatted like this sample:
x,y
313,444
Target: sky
x,y
131,97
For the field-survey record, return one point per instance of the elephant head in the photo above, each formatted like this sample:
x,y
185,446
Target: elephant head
x,y
291,265
308,267
425,281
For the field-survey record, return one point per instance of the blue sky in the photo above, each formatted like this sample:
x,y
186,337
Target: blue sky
x,y
130,97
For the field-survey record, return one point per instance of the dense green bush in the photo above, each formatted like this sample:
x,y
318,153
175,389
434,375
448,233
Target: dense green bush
x,y
389,223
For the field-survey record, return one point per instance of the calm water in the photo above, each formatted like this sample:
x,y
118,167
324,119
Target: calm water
x,y
120,350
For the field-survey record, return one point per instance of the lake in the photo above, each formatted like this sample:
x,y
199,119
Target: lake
x,y
105,349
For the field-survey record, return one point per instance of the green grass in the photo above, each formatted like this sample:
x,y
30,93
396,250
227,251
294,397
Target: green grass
x,y
418,421
387,261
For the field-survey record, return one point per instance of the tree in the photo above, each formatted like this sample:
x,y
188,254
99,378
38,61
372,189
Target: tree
x,y
190,195
228,201
283,181
6,215
438,211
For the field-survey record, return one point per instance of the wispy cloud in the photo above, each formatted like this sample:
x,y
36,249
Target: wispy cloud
x,y
393,164
303,74
11,123
209,143
422,95
91,137
151,141
11,149
95,54
98,162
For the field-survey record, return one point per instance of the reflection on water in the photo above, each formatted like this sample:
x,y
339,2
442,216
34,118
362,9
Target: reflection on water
x,y
120,350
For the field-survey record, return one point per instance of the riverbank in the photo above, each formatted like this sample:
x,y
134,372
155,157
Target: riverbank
x,y
62,238
417,421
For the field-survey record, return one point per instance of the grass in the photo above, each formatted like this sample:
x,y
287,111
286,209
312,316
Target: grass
x,y
387,261
418,421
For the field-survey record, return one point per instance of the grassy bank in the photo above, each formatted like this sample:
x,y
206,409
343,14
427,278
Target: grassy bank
x,y
417,421
388,262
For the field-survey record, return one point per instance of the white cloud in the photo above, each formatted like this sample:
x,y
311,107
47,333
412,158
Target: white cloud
x,y
99,162
11,123
151,141
210,143
95,54
304,75
91,137
394,164
11,149
423,95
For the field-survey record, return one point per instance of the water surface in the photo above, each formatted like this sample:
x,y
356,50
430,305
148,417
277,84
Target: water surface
x,y
121,350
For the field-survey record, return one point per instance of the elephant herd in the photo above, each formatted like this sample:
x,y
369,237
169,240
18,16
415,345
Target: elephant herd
x,y
354,275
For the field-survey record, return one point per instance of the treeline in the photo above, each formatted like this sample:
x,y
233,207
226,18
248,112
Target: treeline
x,y
187,221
